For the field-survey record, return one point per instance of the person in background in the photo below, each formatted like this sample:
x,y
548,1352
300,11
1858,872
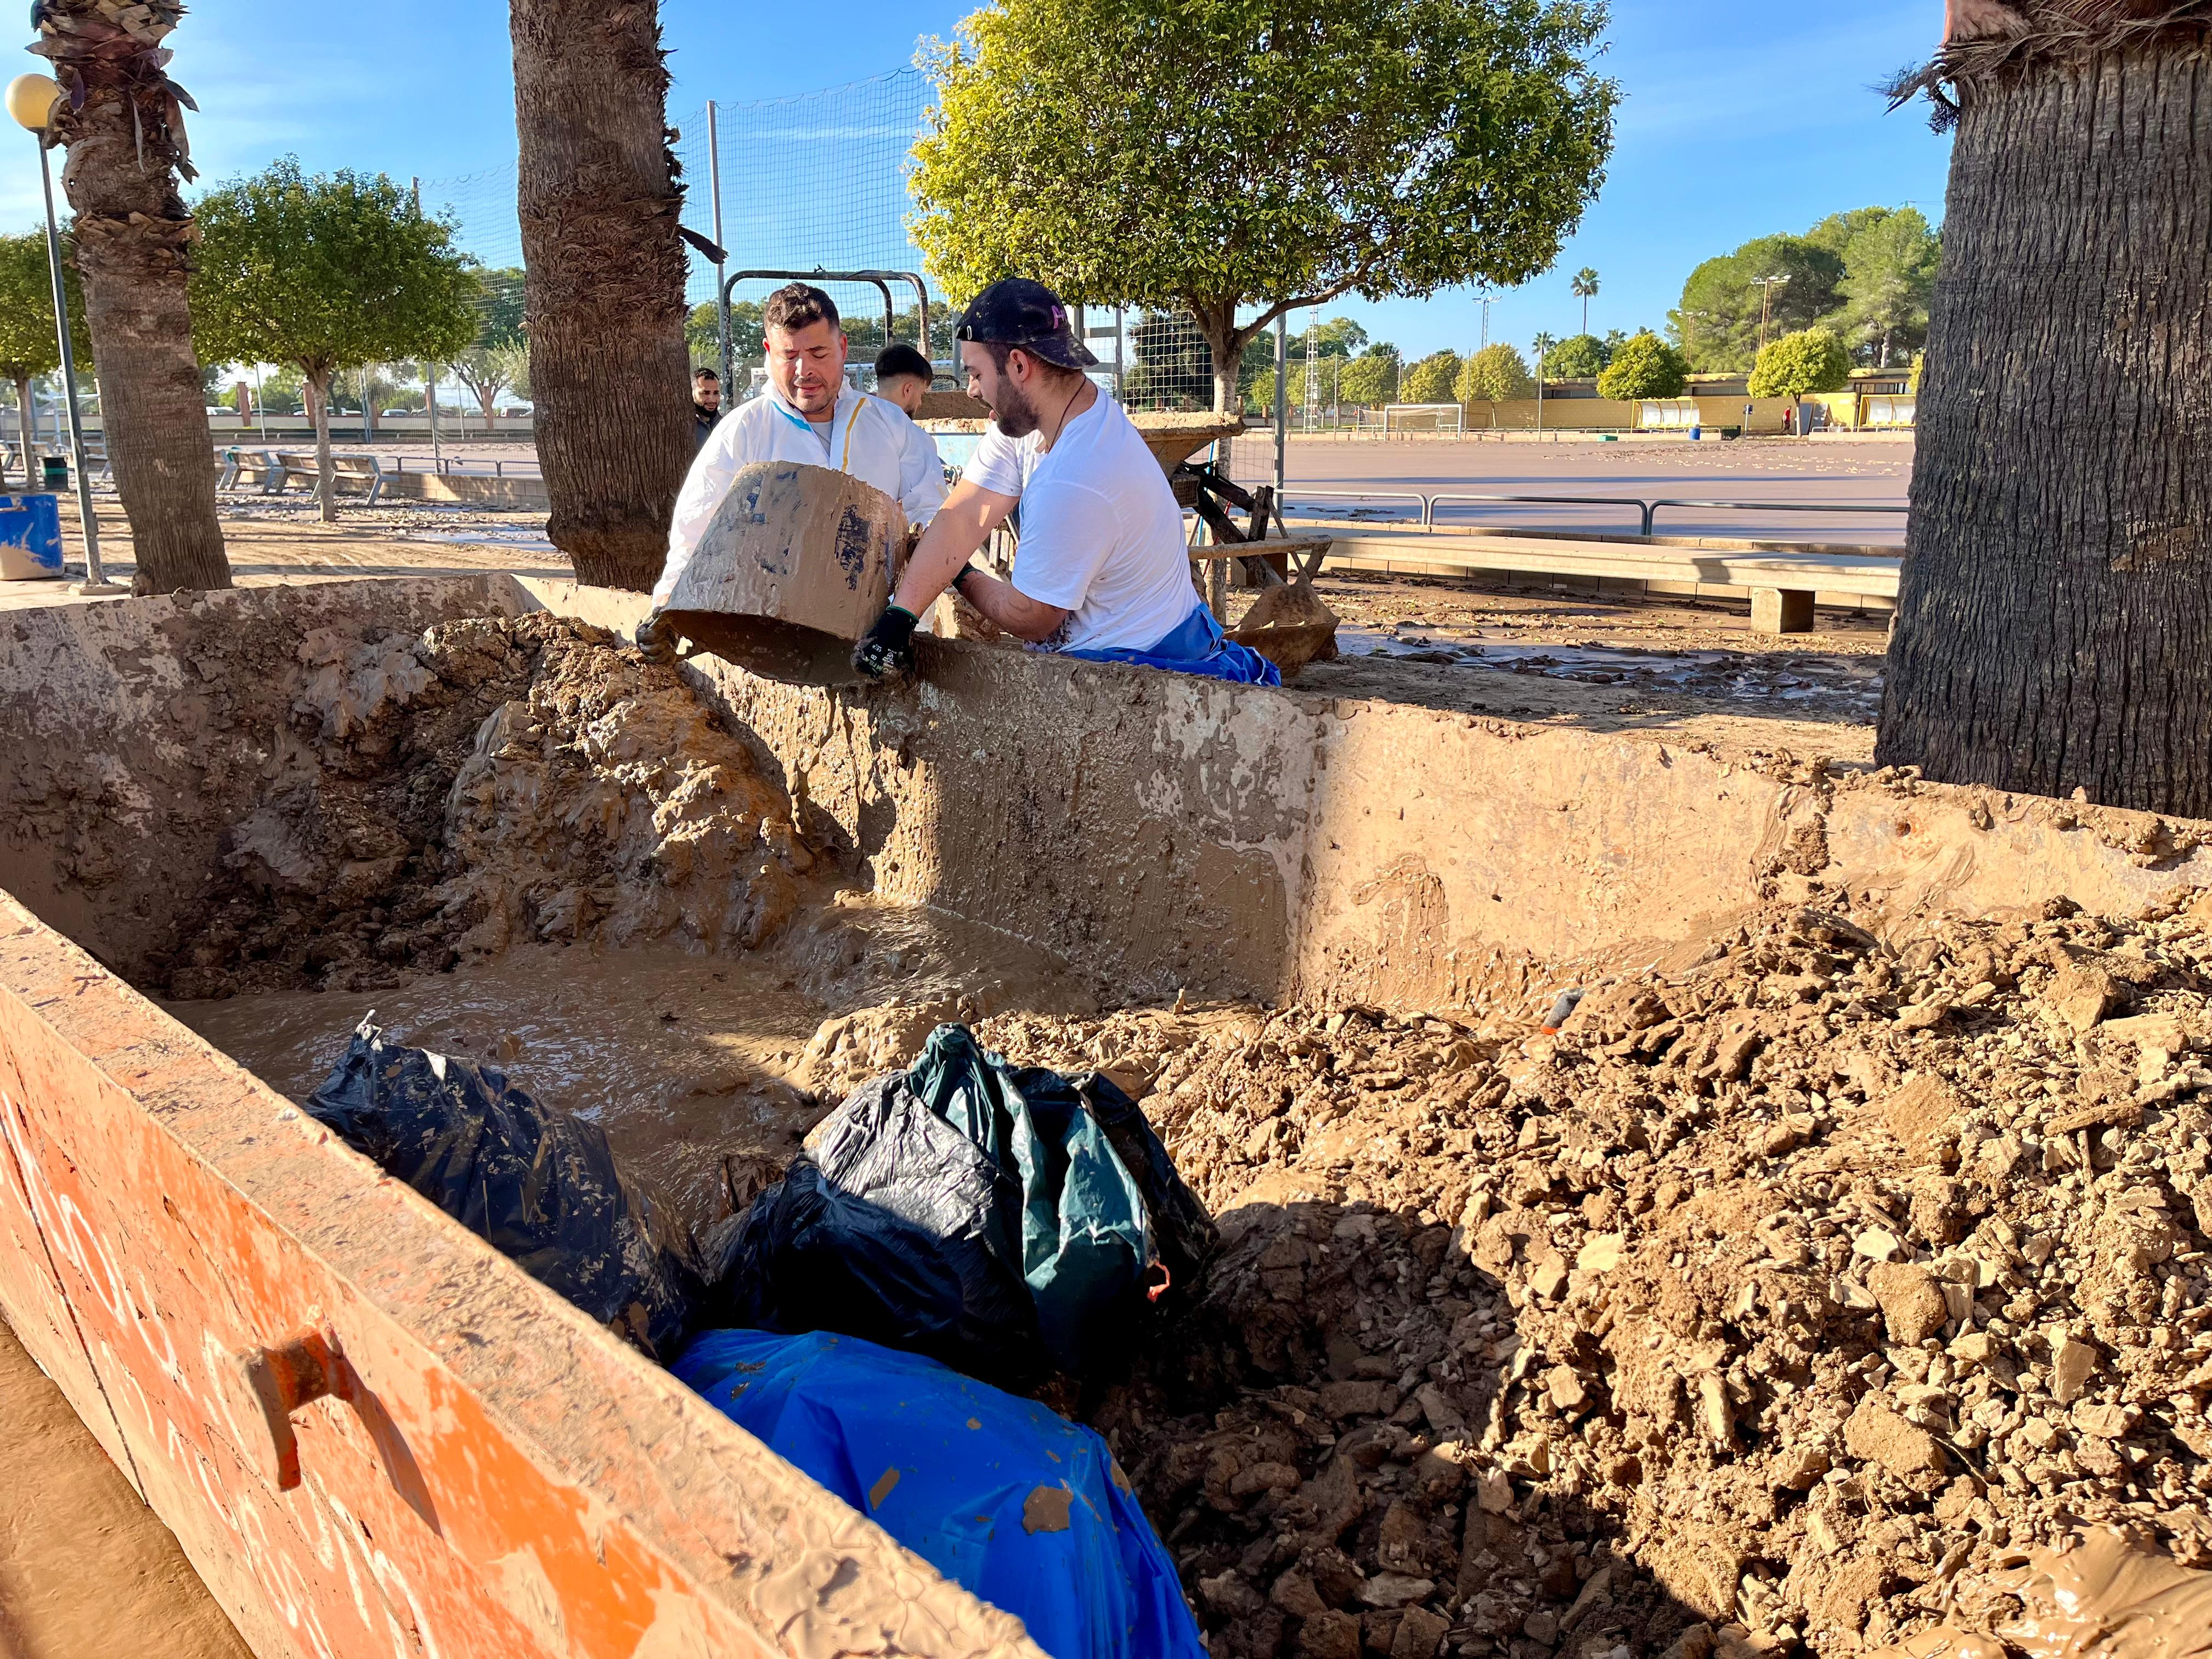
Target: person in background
x,y
808,413
706,406
1103,571
903,375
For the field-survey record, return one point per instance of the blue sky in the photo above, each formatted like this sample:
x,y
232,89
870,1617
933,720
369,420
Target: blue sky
x,y
1740,118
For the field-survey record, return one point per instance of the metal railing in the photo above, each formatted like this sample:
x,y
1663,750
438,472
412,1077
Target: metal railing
x,y
1647,511
1644,507
1298,492
1652,508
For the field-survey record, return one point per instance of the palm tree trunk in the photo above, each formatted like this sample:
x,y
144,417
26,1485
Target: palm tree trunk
x,y
132,238
2055,620
599,204
318,410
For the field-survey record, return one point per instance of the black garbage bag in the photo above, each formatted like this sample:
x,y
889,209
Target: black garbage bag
x,y
536,1182
1006,1220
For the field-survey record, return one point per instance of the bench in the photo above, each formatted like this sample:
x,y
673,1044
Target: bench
x,y
364,470
1783,585
1303,555
279,467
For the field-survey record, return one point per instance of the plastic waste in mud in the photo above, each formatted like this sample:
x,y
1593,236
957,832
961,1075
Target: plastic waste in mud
x,y
537,1183
1005,1219
1011,1501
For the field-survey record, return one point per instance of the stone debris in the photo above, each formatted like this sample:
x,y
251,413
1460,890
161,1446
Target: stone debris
x,y
1740,1316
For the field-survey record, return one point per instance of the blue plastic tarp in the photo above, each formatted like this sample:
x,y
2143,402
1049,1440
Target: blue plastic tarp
x,y
1022,1508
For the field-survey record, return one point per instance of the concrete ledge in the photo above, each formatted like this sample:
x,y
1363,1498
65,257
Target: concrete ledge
x,y
524,494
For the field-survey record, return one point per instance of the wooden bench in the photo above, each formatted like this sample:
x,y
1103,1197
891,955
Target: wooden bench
x,y
365,469
1782,586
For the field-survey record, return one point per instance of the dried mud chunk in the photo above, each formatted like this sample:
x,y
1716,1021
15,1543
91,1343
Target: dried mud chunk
x,y
2081,997
1913,1308
1329,1635
1420,1634
1922,1113
1875,1434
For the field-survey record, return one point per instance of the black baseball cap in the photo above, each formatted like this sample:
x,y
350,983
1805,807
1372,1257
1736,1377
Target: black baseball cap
x,y
1018,311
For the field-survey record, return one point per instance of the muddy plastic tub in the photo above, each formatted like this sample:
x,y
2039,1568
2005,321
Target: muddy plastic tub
x,y
375,1436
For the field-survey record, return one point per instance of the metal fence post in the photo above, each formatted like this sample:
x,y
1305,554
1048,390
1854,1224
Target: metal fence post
x,y
722,289
1282,405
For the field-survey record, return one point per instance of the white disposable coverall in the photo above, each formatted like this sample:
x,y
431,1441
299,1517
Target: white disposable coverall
x,y
870,438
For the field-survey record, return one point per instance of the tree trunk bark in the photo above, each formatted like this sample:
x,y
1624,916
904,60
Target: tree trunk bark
x,y
319,410
131,235
2055,618
609,371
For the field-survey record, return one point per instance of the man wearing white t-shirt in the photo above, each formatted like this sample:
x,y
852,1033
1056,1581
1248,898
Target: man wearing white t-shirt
x,y
1102,570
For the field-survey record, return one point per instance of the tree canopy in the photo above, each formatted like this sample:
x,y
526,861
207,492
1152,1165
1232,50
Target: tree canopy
x,y
1433,380
500,307
1226,154
1643,366
1867,275
1578,357
327,272
1370,378
1812,360
1495,374
28,344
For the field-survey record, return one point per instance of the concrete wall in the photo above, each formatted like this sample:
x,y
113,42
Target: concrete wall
x,y
1163,831
1172,831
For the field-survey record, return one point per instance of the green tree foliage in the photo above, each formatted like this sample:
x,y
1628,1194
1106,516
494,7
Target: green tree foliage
x,y
1579,357
487,371
1813,360
1432,379
1716,324
1369,147
1868,275
1836,231
1495,374
1644,366
327,272
499,306
1337,337
29,343
1889,276
1370,379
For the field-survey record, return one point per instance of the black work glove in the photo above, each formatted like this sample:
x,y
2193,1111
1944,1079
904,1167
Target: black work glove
x,y
887,649
656,639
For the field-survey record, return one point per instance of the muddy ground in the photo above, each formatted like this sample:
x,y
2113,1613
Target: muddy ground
x,y
1777,1302
85,1567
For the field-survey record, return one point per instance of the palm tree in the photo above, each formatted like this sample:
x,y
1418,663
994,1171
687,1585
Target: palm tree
x,y
122,119
605,280
2054,630
1585,286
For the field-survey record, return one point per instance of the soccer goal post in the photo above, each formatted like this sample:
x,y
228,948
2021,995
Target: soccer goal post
x,y
1422,417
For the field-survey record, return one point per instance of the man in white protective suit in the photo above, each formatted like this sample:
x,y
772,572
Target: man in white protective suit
x,y
808,413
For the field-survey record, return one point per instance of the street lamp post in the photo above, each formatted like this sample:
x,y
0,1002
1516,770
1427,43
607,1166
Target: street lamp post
x,y
31,101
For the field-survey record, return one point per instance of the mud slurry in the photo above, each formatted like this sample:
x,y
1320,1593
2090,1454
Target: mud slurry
x,y
438,798
1780,1302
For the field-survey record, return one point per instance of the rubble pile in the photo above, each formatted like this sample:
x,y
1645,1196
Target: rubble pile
x,y
437,797
1791,1286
